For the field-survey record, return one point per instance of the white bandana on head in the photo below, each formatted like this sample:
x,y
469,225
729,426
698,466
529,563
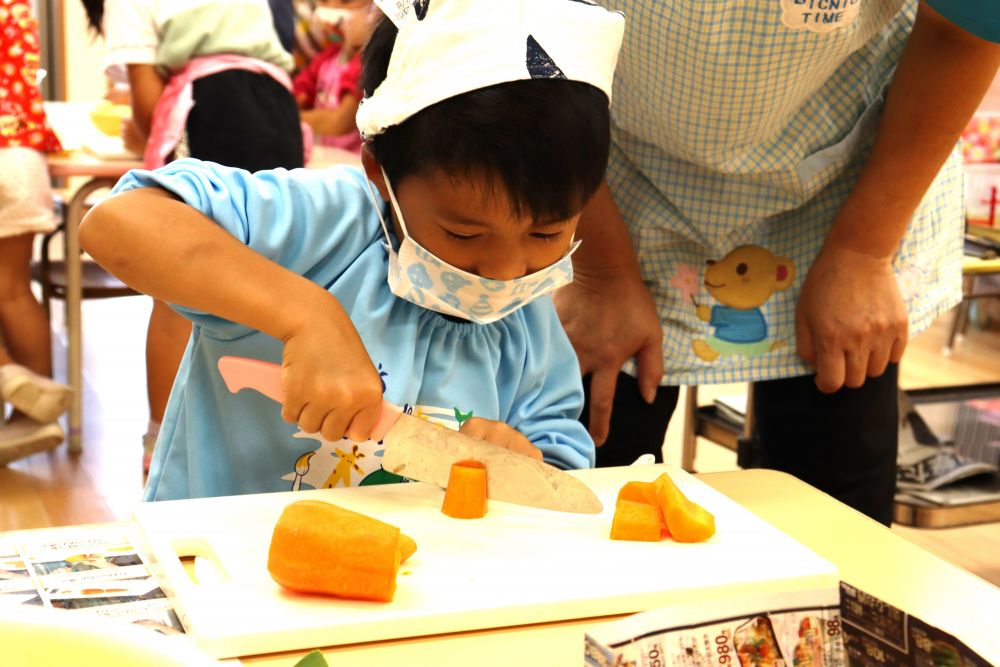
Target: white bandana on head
x,y
448,47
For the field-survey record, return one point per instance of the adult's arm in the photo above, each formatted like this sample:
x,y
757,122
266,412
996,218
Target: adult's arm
x,y
607,312
850,320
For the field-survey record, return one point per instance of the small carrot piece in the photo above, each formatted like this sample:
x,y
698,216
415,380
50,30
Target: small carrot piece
x,y
643,492
637,522
318,547
465,497
687,521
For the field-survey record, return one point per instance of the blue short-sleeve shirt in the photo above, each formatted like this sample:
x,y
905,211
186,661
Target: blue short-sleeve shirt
x,y
321,224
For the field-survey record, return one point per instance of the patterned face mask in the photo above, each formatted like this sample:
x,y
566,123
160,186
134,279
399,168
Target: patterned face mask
x,y
418,276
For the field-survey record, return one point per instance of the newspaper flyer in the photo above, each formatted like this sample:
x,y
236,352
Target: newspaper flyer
x,y
876,634
810,631
764,630
98,572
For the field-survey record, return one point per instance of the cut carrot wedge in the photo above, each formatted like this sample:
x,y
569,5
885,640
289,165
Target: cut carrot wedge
x,y
321,548
407,547
687,521
638,492
638,522
465,497
643,492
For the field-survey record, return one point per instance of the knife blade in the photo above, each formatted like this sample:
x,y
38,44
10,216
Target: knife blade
x,y
424,451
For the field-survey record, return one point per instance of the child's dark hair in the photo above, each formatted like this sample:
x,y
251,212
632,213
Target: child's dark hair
x,y
545,140
95,14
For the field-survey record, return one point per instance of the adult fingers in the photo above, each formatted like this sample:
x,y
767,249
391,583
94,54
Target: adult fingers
x,y
830,369
602,398
649,361
855,367
878,359
805,344
898,347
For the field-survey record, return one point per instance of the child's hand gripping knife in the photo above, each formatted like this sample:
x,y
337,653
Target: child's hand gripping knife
x,y
329,381
500,434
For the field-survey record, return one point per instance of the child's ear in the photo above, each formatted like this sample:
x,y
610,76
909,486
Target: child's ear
x,y
374,171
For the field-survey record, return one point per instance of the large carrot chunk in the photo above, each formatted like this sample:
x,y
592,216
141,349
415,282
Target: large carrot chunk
x,y
638,522
687,521
318,547
465,497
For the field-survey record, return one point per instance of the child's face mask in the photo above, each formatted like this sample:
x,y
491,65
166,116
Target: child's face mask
x,y
418,276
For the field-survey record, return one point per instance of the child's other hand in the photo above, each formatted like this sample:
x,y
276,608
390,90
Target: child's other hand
x,y
500,434
330,384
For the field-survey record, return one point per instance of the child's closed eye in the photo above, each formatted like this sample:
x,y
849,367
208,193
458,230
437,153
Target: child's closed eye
x,y
461,238
543,236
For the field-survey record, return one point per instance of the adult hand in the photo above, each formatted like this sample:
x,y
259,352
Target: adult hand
x,y
330,384
610,319
500,434
850,318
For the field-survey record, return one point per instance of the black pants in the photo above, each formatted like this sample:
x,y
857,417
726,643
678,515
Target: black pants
x,y
244,119
842,443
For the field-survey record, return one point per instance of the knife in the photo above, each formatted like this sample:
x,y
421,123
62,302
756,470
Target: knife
x,y
424,451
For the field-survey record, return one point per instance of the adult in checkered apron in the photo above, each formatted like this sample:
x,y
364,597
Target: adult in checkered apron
x,y
783,206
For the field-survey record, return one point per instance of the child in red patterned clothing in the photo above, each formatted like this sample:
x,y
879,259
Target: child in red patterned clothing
x,y
25,210
327,90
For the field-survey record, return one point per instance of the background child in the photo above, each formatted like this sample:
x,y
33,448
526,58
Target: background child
x,y
208,79
327,89
26,209
449,319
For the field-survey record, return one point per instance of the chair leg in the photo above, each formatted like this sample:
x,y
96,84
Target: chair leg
x,y
689,444
957,325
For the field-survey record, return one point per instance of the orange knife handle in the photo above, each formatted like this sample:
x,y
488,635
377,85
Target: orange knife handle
x,y
263,376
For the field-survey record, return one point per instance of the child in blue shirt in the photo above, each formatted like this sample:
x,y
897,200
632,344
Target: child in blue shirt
x,y
485,135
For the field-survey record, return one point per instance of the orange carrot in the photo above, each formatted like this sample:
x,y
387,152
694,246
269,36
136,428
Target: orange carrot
x,y
465,497
686,520
636,522
643,492
406,547
638,492
321,548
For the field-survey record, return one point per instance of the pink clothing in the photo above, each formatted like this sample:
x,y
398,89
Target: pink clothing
x,y
174,105
323,84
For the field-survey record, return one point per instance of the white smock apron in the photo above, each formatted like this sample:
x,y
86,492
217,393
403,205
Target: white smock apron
x,y
739,128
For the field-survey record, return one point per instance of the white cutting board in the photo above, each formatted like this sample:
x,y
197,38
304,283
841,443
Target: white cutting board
x,y
517,565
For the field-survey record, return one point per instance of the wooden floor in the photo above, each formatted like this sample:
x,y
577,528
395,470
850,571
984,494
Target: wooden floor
x,y
104,482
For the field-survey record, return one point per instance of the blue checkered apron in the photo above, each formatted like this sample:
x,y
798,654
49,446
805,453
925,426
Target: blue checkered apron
x,y
746,122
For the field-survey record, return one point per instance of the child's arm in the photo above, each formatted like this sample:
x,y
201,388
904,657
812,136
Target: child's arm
x,y
329,381
334,122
